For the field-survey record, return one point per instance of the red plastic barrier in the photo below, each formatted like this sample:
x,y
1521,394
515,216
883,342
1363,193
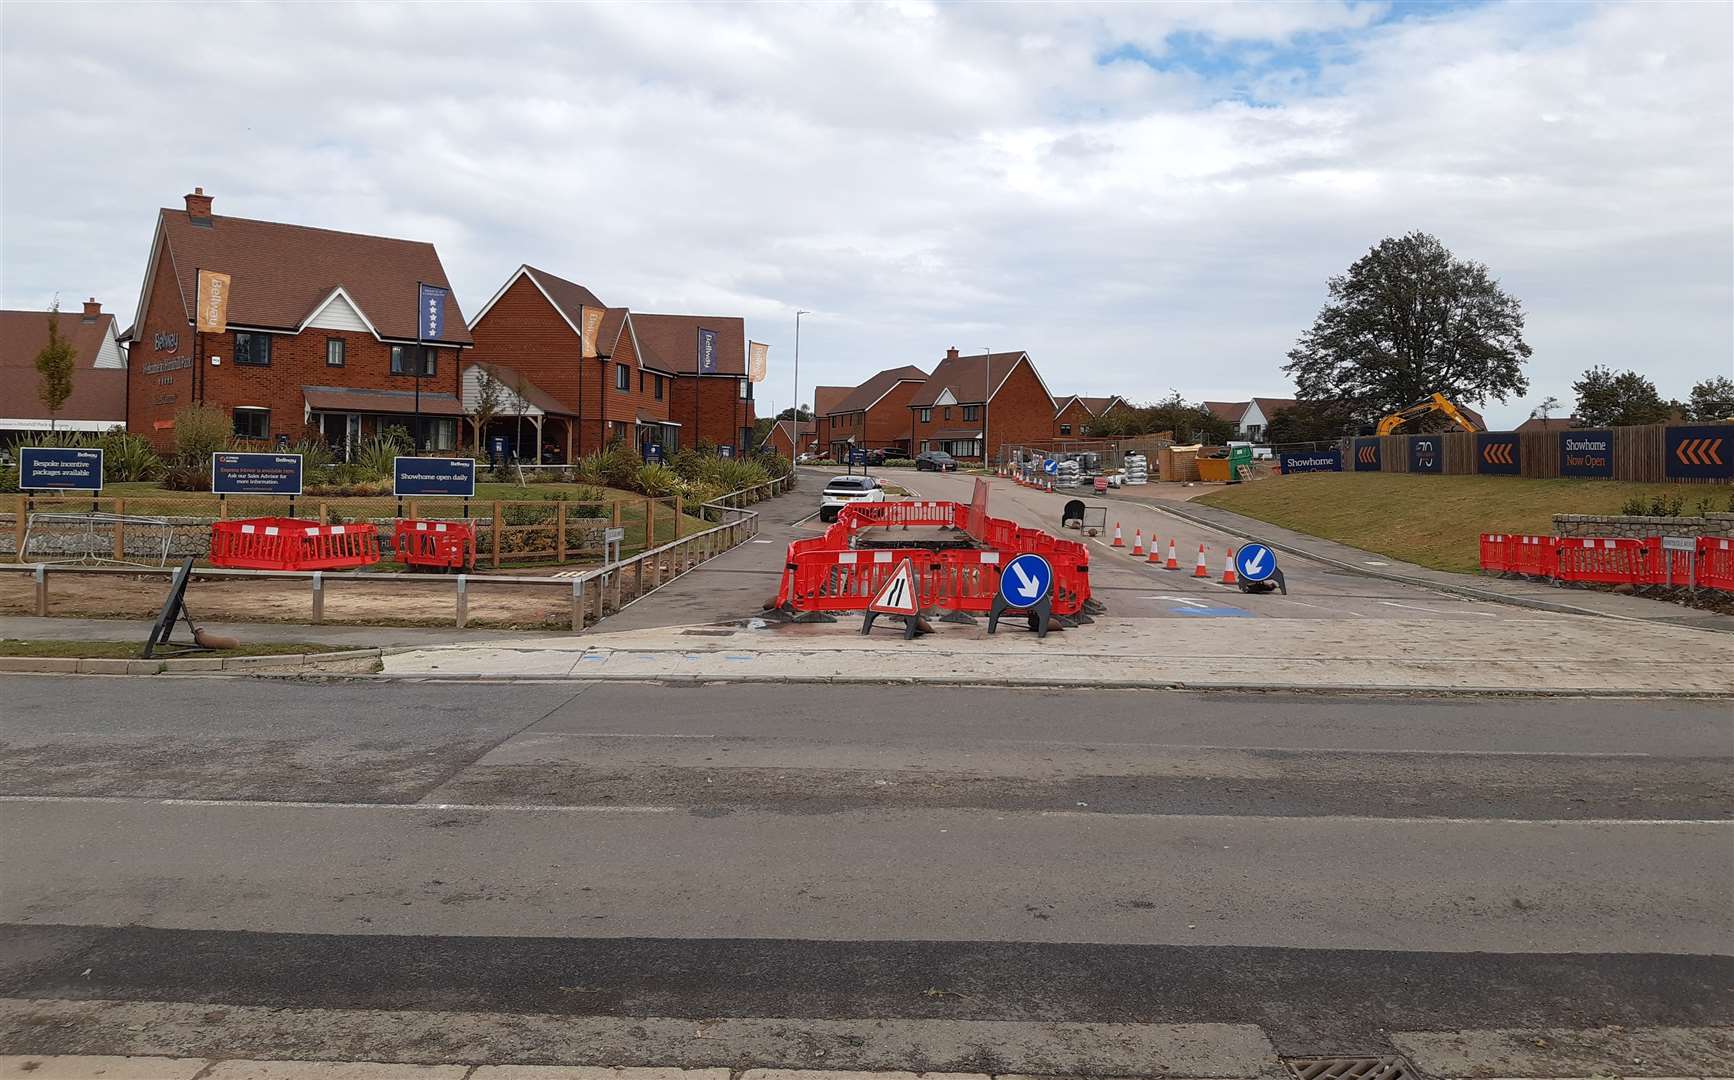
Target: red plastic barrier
x,y
1716,563
292,544
1534,556
1607,560
1493,553
445,544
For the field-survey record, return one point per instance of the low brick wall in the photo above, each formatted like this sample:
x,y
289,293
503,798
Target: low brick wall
x,y
1579,525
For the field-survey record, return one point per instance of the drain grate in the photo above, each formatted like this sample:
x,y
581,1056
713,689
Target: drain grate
x,y
1352,1068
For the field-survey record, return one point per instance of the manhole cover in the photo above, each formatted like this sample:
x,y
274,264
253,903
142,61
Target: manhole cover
x,y
1352,1068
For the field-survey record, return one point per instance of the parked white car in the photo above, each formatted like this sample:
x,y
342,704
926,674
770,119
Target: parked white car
x,y
843,490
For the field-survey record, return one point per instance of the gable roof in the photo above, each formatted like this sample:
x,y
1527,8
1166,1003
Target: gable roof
x,y
282,273
1231,411
568,297
827,398
516,388
805,428
866,395
1100,405
967,377
670,342
1270,406
1062,404
97,393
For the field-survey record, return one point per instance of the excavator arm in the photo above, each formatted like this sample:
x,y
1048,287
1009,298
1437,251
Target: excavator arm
x,y
1438,403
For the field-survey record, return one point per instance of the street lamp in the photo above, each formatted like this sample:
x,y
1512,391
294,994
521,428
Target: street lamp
x,y
795,421
986,392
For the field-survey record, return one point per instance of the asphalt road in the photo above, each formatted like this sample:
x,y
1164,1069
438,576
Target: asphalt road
x,y
1330,870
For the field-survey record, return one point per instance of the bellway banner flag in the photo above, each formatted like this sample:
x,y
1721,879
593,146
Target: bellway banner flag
x,y
431,313
707,352
758,355
589,326
213,310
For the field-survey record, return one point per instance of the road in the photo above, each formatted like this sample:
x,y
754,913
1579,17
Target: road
x,y
400,864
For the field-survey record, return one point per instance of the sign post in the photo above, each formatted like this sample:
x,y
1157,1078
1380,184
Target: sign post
x,y
1256,570
1026,585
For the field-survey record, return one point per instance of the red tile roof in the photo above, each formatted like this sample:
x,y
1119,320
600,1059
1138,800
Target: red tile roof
x,y
97,393
569,296
1231,411
282,273
345,399
1554,423
670,342
1270,406
1100,405
967,378
876,387
827,398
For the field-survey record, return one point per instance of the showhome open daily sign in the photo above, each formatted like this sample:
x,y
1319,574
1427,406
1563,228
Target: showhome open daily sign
x,y
256,474
455,477
46,468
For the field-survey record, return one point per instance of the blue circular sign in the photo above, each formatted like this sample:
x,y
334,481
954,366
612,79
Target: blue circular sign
x,y
1051,466
1254,562
1025,580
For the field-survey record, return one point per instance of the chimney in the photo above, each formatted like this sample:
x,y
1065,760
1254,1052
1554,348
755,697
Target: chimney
x,y
951,353
92,309
199,207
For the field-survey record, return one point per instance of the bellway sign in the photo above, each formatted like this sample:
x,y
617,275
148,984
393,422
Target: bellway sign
x,y
256,474
454,477
56,467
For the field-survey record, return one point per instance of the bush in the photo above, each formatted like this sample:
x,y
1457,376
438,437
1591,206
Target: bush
x,y
349,489
899,463
129,458
657,481
619,467
375,456
1666,505
1633,507
201,431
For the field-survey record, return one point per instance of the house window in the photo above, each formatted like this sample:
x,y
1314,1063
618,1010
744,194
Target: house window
x,y
948,412
403,360
253,349
252,423
334,352
656,386
746,390
622,377
926,418
442,434
971,412
1065,429
924,441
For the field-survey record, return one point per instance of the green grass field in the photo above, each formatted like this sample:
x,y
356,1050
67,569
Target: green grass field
x,y
1437,521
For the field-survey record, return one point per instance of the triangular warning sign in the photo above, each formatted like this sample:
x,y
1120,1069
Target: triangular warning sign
x,y
897,595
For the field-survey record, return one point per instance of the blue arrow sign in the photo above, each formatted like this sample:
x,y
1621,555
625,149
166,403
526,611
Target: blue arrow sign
x,y
1254,562
1050,466
1026,580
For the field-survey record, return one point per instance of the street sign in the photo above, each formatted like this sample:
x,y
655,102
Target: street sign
x,y
434,476
1026,581
897,596
1051,466
50,467
1679,543
256,474
1254,562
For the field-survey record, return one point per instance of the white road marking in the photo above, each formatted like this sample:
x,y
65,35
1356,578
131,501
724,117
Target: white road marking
x,y
1340,749
1177,599
273,804
1352,818
1439,611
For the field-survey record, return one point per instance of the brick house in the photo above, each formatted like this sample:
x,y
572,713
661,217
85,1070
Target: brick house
x,y
1000,396
874,415
529,331
789,441
714,408
1073,417
98,399
321,337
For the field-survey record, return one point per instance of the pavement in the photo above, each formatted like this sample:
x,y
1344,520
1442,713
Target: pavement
x,y
974,880
1343,625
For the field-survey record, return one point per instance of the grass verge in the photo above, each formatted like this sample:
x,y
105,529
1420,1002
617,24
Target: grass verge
x,y
1436,521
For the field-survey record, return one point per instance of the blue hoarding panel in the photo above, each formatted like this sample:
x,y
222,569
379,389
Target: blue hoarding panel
x,y
256,474
1367,455
1700,451
59,467
1498,453
1320,461
1426,453
1586,453
434,476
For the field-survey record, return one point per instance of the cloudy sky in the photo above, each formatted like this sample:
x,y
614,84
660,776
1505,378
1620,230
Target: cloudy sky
x,y
1144,197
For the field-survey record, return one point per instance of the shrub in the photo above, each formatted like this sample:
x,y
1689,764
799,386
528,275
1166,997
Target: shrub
x,y
900,463
201,431
374,457
1633,507
129,458
9,479
657,481
619,467
1666,506
351,489
588,469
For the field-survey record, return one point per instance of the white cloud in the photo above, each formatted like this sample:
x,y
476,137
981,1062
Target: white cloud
x,y
920,175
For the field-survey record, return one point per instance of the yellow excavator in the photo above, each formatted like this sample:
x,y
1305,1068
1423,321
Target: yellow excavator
x,y
1438,403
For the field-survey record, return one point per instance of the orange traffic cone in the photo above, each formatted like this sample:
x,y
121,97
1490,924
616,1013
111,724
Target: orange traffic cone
x,y
1201,570
1173,559
1228,577
1118,542
1155,552
1137,543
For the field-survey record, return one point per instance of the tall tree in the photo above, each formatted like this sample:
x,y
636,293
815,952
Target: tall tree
x,y
1312,421
1409,320
490,399
1712,399
1606,398
54,366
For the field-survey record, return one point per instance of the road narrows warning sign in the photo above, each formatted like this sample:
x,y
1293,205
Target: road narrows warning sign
x,y
897,596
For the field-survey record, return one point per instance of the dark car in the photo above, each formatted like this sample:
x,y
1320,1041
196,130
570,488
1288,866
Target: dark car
x,y
935,461
876,457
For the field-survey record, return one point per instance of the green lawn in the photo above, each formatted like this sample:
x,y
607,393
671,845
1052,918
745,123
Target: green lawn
x,y
132,650
1437,521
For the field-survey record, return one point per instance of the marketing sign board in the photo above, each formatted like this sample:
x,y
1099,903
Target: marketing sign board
x,y
1426,454
256,474
1586,453
1700,452
50,467
1317,461
1498,453
434,476
1367,455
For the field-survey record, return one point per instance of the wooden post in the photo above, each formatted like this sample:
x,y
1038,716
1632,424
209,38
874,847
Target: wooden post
x,y
616,513
324,512
577,604
318,597
18,523
463,600
597,582
41,590
223,509
499,523
119,531
413,514
560,531
679,510
638,577
615,582
649,524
